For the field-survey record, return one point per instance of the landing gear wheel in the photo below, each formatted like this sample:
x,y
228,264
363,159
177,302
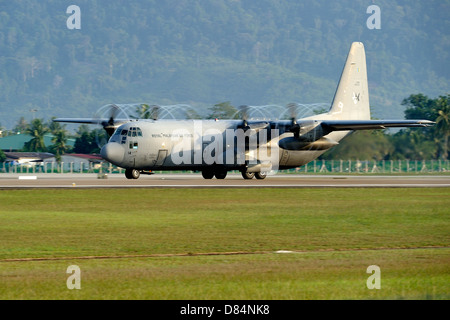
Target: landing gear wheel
x,y
221,174
247,175
208,174
132,173
260,175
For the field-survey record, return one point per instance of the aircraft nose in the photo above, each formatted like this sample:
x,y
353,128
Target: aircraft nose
x,y
112,152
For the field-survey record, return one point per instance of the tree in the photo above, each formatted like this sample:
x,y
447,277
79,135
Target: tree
x,y
59,146
87,142
192,114
419,106
145,111
3,131
2,156
37,130
21,126
443,122
411,143
59,139
54,127
362,145
223,110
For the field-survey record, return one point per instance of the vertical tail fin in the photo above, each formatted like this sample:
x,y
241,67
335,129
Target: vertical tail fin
x,y
351,100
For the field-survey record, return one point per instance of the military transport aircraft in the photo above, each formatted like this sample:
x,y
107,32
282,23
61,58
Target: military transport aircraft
x,y
254,147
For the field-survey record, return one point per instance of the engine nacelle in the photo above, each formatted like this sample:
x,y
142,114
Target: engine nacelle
x,y
309,135
310,131
294,144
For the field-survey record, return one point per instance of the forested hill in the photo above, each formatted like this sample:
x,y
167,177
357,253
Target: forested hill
x,y
196,52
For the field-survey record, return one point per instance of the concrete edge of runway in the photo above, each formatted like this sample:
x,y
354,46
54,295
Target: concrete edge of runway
x,y
193,175
190,180
224,187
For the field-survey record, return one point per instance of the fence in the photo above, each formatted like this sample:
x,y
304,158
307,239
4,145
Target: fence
x,y
370,166
316,166
54,167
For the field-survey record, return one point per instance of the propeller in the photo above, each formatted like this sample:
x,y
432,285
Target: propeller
x,y
295,127
146,111
244,115
155,112
110,125
107,116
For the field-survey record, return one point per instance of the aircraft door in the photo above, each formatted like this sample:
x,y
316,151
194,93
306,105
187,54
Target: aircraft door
x,y
284,157
132,151
162,155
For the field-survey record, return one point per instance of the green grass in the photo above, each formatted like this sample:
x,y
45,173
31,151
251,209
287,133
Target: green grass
x,y
338,233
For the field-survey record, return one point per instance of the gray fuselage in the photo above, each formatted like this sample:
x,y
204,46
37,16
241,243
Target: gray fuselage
x,y
198,144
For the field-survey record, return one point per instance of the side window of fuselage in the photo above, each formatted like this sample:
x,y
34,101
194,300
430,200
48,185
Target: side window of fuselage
x,y
124,136
133,145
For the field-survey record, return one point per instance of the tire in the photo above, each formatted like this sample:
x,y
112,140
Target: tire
x,y
208,174
260,175
221,174
247,175
132,174
135,174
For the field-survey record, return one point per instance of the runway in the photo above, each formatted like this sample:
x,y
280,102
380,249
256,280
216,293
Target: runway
x,y
191,180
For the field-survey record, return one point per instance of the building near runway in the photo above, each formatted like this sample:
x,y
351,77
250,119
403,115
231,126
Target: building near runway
x,y
27,159
16,142
36,162
74,162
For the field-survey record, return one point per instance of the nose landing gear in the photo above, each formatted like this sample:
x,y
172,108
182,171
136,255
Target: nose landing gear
x,y
132,173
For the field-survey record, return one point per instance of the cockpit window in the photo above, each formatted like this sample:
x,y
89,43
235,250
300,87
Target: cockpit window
x,y
130,132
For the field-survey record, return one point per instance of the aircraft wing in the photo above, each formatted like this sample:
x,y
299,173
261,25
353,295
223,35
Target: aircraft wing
x,y
103,122
110,125
345,125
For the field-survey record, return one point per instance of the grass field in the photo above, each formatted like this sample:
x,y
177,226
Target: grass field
x,y
225,243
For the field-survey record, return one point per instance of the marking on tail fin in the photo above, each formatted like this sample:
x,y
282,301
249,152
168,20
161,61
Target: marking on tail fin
x,y
340,106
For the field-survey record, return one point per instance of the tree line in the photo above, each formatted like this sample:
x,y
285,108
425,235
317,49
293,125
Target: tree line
x,y
410,143
87,141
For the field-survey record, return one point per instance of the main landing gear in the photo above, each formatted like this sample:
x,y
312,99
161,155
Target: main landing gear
x,y
249,175
207,174
219,174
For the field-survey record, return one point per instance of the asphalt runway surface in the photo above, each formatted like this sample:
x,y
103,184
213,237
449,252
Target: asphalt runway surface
x,y
187,180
